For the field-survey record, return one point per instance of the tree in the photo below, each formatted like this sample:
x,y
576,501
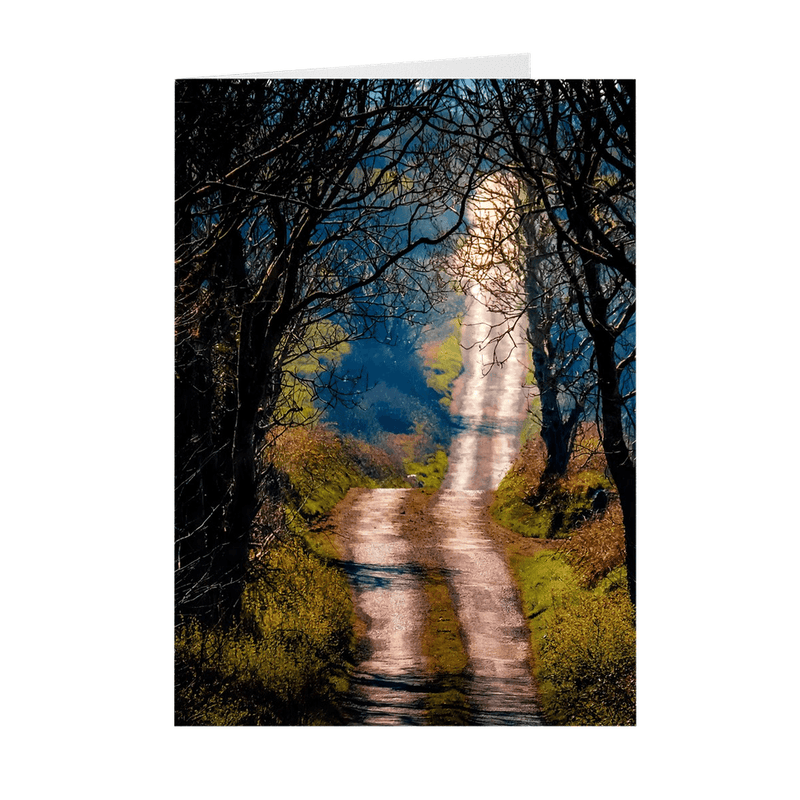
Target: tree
x,y
306,213
572,144
508,252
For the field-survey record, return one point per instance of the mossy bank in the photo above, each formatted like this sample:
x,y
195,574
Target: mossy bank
x,y
573,586
287,658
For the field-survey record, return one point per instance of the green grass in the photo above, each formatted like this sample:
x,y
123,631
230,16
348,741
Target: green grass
x,y
583,641
430,474
446,364
288,659
552,514
446,702
574,597
510,509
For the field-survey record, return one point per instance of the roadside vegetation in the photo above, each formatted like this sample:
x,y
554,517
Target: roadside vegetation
x,y
428,476
287,660
536,506
444,362
320,466
573,587
446,702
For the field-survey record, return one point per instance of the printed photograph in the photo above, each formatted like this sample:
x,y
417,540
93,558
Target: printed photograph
x,y
405,402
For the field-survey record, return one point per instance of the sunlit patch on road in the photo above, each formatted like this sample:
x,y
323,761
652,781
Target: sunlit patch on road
x,y
489,408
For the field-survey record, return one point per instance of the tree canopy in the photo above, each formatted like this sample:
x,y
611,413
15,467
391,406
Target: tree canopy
x,y
313,213
297,203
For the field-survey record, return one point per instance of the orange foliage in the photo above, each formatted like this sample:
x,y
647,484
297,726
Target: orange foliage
x,y
598,545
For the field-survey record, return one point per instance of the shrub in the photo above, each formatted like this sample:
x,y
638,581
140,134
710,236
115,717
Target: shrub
x,y
532,507
583,641
320,467
285,663
587,661
431,473
597,547
575,597
445,363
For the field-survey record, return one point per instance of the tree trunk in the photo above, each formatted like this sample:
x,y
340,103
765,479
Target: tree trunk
x,y
557,430
212,476
618,455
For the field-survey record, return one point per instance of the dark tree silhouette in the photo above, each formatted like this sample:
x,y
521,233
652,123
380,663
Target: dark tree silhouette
x,y
306,212
509,253
572,143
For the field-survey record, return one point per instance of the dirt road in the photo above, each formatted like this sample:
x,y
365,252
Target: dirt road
x,y
489,401
489,408
488,608
490,404
390,680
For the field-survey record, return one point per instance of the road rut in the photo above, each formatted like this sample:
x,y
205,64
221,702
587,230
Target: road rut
x,y
490,404
389,684
489,407
495,634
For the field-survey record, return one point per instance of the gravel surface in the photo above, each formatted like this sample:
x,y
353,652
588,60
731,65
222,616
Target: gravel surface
x,y
490,403
488,608
390,680
489,406
489,400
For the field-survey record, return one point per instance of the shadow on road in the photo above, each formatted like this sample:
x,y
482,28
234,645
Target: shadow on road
x,y
380,576
379,699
